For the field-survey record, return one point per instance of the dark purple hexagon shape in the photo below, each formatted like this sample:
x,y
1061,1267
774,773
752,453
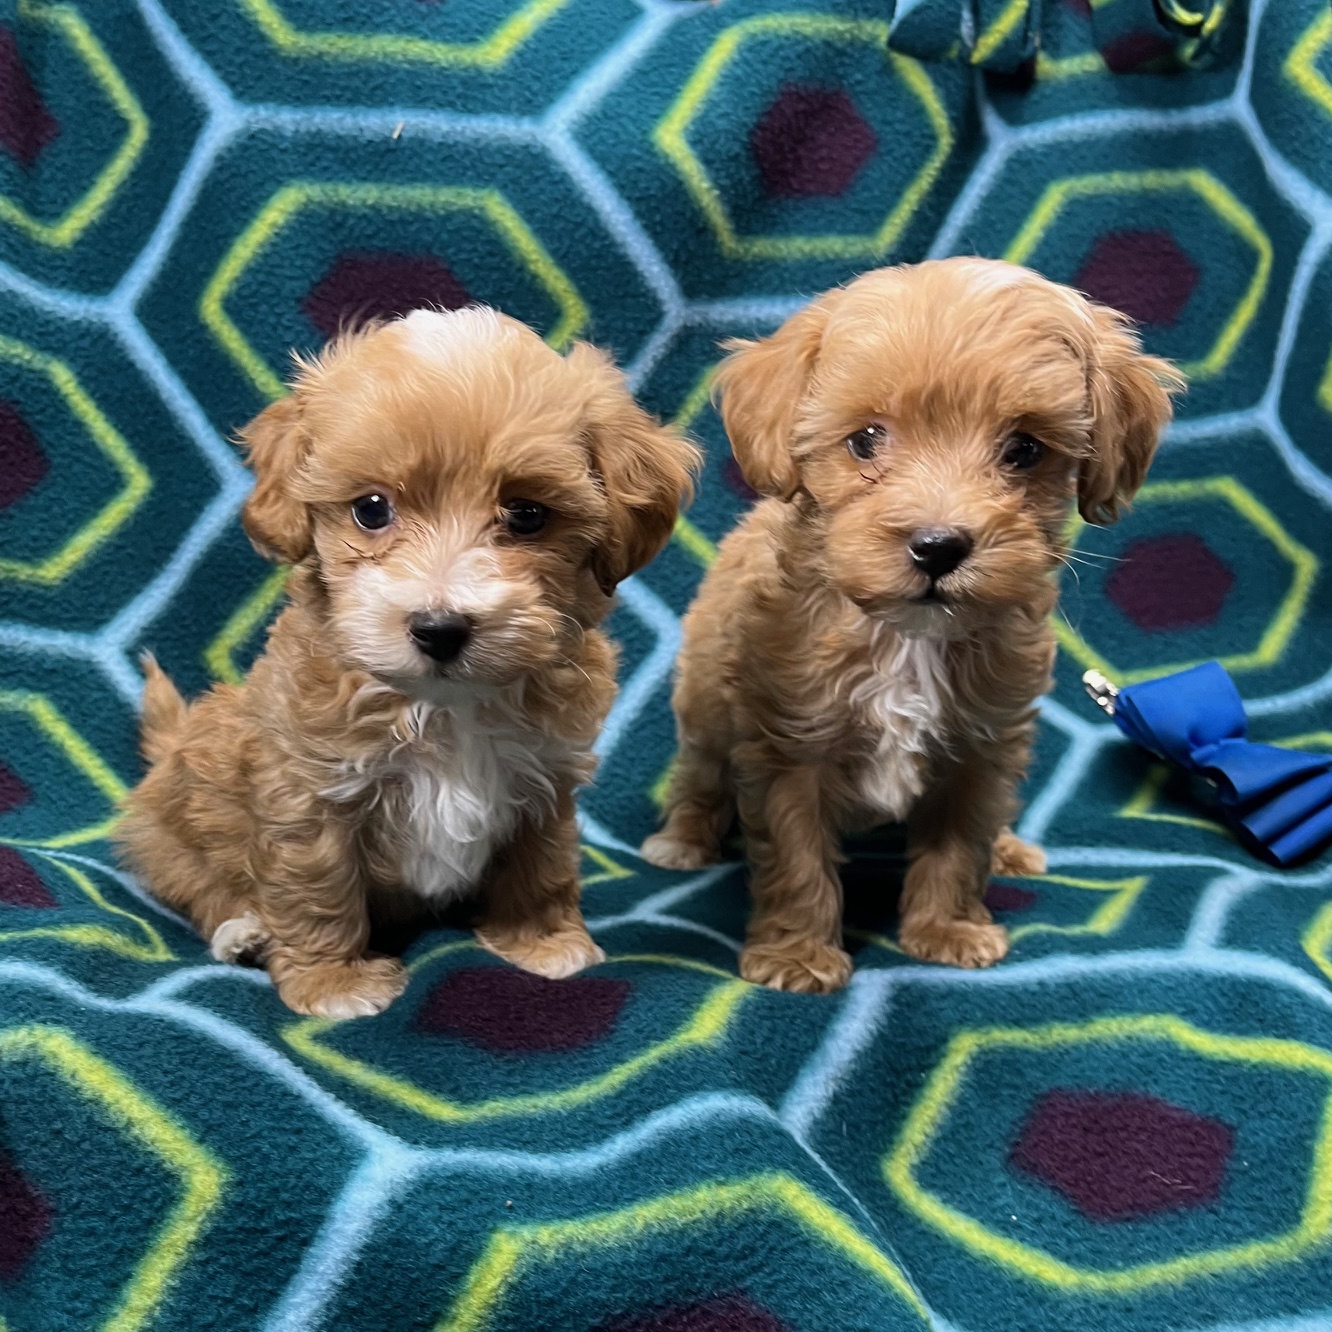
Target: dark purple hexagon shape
x,y
13,789
1168,582
25,1218
23,465
26,125
1136,50
512,1011
1007,897
725,1313
810,142
1117,1156
20,884
1143,273
362,286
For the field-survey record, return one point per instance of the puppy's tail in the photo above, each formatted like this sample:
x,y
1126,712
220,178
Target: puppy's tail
x,y
163,710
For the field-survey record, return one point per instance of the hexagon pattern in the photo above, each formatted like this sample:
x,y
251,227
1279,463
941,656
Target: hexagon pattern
x,y
1125,1125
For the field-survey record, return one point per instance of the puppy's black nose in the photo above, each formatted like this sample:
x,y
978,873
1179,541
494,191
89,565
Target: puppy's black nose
x,y
441,635
936,551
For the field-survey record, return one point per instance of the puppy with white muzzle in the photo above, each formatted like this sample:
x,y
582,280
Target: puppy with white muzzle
x,y
458,502
873,637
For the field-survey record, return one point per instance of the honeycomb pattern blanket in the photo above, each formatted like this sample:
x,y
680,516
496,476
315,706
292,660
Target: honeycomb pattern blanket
x,y
1127,1125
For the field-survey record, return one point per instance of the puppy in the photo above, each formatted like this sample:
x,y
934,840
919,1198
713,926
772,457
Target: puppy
x,y
458,503
872,638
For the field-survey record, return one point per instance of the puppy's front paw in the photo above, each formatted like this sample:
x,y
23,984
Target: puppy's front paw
x,y
555,956
1013,858
956,943
666,851
243,940
802,966
344,989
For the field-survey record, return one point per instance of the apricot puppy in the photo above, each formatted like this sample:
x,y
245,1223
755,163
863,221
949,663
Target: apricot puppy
x,y
458,503
873,637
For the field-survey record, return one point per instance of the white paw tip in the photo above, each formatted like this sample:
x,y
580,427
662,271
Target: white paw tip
x,y
339,1007
241,937
669,853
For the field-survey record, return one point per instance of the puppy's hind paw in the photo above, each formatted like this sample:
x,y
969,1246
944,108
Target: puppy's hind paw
x,y
955,943
1015,859
240,941
555,956
666,851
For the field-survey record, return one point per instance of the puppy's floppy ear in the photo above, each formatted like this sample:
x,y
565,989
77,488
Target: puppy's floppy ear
x,y
1129,393
275,521
760,386
645,469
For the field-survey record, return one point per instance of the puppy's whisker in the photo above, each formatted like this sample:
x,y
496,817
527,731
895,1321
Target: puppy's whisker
x,y
1060,611
1068,564
1095,555
563,625
569,661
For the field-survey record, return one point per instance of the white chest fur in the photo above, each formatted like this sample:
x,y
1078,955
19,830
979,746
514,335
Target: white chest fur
x,y
901,703
447,799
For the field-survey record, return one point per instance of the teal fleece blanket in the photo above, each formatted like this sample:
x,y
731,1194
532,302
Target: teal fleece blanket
x,y
1127,1125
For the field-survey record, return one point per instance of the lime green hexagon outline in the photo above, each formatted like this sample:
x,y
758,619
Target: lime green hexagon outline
x,y
669,137
700,547
136,1116
1280,628
607,871
512,1247
1312,1231
89,935
1325,388
293,198
1052,68
490,53
1317,938
51,722
705,1027
1212,192
1121,896
65,230
220,655
117,511
1300,67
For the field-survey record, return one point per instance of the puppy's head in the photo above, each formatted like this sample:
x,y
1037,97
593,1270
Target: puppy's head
x,y
938,421
467,497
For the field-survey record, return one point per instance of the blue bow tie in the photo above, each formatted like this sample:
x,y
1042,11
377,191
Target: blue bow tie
x,y
1280,798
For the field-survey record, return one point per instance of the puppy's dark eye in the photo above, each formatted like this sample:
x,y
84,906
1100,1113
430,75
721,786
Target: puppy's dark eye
x,y
864,444
372,512
1022,451
525,517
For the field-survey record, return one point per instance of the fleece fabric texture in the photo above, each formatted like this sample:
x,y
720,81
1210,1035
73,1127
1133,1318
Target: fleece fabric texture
x,y
1127,1125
